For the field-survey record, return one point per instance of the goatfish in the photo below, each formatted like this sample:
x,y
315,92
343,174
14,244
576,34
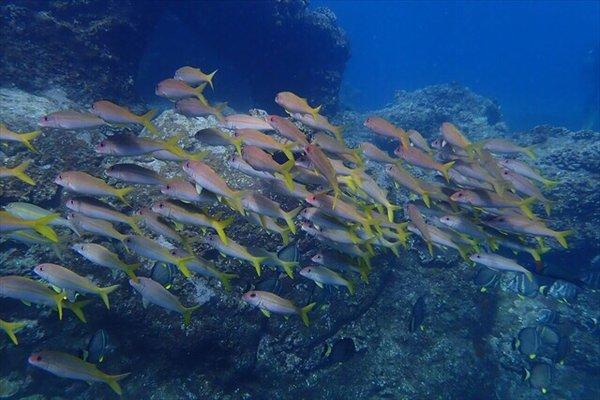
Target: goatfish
x,y
67,366
185,191
10,223
82,223
216,137
235,250
485,199
271,303
499,263
455,138
321,163
69,281
337,148
342,210
115,114
272,260
154,293
490,164
194,76
333,259
319,122
441,238
324,276
518,224
418,141
183,155
95,208
417,219
287,129
271,225
84,183
71,119
123,144
100,255
527,171
465,226
263,205
235,161
378,194
24,138
207,268
192,107
505,146
188,214
33,292
133,173
253,137
384,128
299,192
295,104
155,251
418,158
160,226
374,153
208,179
244,121
525,187
11,328
31,212
18,172
263,161
319,218
174,89
405,179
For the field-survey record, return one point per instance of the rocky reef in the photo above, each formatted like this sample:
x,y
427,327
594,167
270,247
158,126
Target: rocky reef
x,y
231,351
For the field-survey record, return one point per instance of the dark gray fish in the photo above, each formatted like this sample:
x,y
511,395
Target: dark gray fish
x,y
525,287
97,347
591,279
340,351
134,173
289,252
486,278
540,376
163,273
562,291
546,316
417,315
562,349
528,342
548,335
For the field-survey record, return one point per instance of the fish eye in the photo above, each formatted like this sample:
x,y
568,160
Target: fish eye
x,y
38,358
309,270
161,205
101,144
45,118
168,187
60,176
252,294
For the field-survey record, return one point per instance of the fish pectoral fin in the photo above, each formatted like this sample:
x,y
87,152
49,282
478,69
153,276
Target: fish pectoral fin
x,y
145,302
28,304
265,312
319,284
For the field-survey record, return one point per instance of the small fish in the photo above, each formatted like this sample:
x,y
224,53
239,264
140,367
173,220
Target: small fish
x,y
9,223
499,263
452,135
342,209
505,146
183,155
263,161
337,148
133,173
528,342
321,219
417,314
237,162
84,183
68,280
287,129
31,212
207,268
418,158
10,328
486,278
155,251
307,176
244,121
263,205
527,171
525,187
416,218
95,226
485,199
159,225
185,191
154,293
322,164
271,225
295,104
216,137
194,76
97,347
100,255
464,225
115,114
174,89
271,303
191,108
71,119
405,179
208,179
123,144
95,208
384,128
18,172
235,250
163,273
519,224
540,377
319,122
324,276
341,351
253,137
378,194
374,153
418,141
67,366
340,262
24,138
523,286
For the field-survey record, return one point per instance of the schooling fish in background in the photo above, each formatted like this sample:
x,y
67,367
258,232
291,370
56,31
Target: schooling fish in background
x,y
319,122
9,223
183,190
263,161
155,251
83,224
133,173
340,351
84,183
419,141
194,76
253,137
94,208
71,119
97,347
500,263
207,268
116,114
417,315
100,255
164,273
527,171
122,144
174,89
191,107
384,128
324,276
287,129
217,137
18,172
24,138
295,104
271,303
244,121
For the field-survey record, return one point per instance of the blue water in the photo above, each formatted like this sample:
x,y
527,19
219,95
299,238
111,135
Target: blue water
x,y
539,60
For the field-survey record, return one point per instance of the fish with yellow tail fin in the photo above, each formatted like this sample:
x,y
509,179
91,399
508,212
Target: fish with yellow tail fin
x,y
95,208
207,268
67,366
295,104
155,251
527,171
192,107
320,122
154,293
18,172
11,328
405,179
115,114
84,183
260,204
262,161
71,119
321,163
340,262
343,210
235,250
521,225
500,263
455,138
269,303
505,146
385,128
102,256
420,159
417,219
374,153
486,199
194,76
10,223
30,292
123,144
24,138
174,89
253,137
287,129
324,276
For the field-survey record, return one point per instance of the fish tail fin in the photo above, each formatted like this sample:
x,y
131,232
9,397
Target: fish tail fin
x,y
549,184
351,287
463,253
315,111
210,77
187,313
529,152
41,226
200,89
445,168
238,145
529,275
256,262
171,144
130,271
225,279
525,206
289,218
181,264
220,226
19,173
287,150
430,248
11,327
285,235
133,222
146,120
363,270
535,254
26,139
236,202
77,309
426,199
113,382
561,237
288,267
219,107
358,158
304,313
105,291
288,179
197,156
391,208
337,132
120,193
548,207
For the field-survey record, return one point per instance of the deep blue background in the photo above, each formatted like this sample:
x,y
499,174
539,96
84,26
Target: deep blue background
x,y
539,60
